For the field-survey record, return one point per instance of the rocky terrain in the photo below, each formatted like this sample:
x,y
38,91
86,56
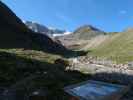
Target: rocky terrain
x,y
38,28
105,70
95,65
87,32
81,37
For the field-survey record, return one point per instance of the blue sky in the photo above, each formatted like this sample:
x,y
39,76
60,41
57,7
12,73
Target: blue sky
x,y
108,15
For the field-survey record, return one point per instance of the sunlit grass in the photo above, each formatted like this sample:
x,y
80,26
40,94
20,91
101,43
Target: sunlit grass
x,y
118,47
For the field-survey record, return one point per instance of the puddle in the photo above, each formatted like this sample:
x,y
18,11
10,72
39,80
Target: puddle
x,y
95,90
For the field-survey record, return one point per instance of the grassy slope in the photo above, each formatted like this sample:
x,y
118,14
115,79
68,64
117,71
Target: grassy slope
x,y
118,47
32,54
19,64
16,63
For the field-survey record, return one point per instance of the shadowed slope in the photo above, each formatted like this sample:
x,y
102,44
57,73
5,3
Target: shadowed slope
x,y
14,34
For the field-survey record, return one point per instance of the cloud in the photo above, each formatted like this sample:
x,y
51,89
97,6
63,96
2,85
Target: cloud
x,y
123,12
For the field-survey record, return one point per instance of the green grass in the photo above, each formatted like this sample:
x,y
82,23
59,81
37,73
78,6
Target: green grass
x,y
119,47
32,54
15,64
18,64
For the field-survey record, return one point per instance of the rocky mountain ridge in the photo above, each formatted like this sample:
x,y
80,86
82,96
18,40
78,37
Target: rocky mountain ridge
x,y
39,28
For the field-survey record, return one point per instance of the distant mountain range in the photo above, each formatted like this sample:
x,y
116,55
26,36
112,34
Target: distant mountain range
x,y
80,36
84,32
52,32
14,32
111,45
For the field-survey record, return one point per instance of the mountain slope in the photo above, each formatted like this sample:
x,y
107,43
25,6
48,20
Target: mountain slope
x,y
38,28
14,34
118,47
51,32
87,32
81,37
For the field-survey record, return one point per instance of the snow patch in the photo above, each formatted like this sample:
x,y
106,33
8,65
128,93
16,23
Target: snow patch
x,y
65,33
